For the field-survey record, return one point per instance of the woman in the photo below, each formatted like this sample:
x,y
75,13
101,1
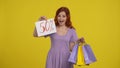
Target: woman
x,y
62,41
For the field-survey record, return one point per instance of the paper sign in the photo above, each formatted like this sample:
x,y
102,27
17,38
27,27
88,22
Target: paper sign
x,y
45,27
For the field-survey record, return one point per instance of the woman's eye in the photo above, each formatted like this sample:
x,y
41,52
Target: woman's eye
x,y
63,16
58,15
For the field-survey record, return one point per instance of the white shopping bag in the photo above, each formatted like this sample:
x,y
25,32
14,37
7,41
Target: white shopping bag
x,y
45,27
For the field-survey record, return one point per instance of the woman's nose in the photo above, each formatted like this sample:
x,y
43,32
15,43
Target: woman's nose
x,y
61,18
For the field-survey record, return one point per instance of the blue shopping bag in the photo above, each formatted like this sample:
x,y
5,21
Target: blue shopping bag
x,y
88,54
73,55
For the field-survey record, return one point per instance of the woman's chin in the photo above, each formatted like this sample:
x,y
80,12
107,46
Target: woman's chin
x,y
61,24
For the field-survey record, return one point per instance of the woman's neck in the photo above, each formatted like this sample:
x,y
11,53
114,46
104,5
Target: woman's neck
x,y
62,27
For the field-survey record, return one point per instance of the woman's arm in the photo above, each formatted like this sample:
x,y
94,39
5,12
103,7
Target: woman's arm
x,y
71,46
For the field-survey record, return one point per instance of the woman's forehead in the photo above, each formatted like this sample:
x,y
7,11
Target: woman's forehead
x,y
62,13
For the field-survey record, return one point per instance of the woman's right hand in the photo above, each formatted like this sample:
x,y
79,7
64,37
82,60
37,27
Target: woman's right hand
x,y
42,18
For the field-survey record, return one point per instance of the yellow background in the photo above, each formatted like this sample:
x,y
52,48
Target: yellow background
x,y
95,20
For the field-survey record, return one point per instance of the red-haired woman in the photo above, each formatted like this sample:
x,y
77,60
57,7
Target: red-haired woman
x,y
62,41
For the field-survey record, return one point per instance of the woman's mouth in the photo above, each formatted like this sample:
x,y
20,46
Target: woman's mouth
x,y
61,21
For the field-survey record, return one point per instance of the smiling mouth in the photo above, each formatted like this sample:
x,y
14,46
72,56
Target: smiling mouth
x,y
61,21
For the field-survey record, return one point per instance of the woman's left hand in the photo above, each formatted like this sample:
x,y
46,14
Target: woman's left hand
x,y
81,40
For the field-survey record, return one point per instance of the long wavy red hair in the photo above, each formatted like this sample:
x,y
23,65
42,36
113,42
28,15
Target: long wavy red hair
x,y
68,21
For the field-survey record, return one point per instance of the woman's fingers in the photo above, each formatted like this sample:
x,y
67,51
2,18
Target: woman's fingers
x,y
81,40
43,18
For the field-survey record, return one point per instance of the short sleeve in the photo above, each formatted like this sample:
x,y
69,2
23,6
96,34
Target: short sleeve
x,y
74,36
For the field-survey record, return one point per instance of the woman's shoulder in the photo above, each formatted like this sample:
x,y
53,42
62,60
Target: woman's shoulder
x,y
72,29
73,32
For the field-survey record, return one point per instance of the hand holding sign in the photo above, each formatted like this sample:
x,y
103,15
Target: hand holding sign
x,y
42,18
45,27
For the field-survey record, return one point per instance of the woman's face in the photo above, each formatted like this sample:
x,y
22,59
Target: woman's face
x,y
61,18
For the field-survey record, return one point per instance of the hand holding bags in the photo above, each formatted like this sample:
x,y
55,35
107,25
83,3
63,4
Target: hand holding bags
x,y
82,55
85,55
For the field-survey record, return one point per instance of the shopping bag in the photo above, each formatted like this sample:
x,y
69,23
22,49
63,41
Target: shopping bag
x,y
73,55
88,54
80,56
